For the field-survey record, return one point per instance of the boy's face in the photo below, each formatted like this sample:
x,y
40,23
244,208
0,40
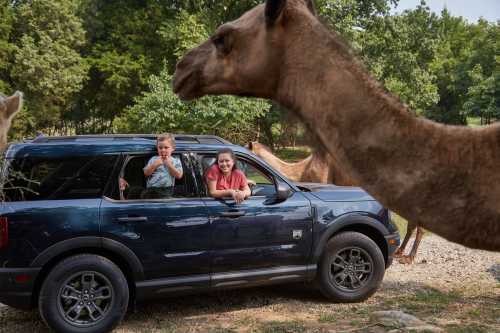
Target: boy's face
x,y
165,148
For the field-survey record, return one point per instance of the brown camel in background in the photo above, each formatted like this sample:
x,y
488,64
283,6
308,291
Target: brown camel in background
x,y
444,178
318,167
9,106
315,168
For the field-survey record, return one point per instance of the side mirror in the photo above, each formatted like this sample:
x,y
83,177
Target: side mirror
x,y
283,191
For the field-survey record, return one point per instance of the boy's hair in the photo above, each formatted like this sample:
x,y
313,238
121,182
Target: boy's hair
x,y
166,137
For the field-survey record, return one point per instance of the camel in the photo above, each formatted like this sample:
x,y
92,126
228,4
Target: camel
x,y
315,168
9,106
444,178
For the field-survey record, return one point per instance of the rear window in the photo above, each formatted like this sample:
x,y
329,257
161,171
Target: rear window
x,y
50,179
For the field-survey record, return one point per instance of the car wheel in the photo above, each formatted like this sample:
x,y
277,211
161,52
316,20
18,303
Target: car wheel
x,y
84,293
351,268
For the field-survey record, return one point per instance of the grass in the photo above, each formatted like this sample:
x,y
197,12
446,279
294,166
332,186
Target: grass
x,y
429,301
282,327
293,154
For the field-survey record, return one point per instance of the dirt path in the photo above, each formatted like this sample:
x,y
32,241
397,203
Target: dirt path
x,y
452,287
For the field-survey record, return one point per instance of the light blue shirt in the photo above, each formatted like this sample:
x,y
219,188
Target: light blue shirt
x,y
161,177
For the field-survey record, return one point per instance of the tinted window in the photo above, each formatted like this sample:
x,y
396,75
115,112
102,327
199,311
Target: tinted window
x,y
46,179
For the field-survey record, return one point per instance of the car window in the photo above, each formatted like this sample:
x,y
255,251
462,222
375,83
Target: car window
x,y
260,181
132,172
57,179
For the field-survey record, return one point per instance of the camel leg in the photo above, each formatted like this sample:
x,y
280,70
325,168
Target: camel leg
x,y
409,231
409,258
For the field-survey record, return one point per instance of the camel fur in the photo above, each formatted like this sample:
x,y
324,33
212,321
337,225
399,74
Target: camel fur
x,y
444,178
9,106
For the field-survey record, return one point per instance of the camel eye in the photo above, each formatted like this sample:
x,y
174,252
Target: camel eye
x,y
218,41
222,44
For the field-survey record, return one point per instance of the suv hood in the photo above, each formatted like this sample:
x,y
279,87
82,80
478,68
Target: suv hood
x,y
330,192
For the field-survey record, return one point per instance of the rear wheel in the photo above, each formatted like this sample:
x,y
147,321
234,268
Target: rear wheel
x,y
351,268
84,293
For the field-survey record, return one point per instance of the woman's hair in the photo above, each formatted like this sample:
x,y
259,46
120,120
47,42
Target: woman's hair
x,y
227,151
166,137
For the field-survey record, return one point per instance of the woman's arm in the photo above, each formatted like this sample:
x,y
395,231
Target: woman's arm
x,y
212,190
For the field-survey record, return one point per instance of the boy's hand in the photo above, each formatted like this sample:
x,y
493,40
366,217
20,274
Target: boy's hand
x,y
158,162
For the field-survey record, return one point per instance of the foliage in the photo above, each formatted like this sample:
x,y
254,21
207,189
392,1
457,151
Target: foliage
x,y
47,65
160,110
93,66
6,47
398,50
483,96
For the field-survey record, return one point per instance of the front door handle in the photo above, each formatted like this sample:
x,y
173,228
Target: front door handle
x,y
132,219
233,214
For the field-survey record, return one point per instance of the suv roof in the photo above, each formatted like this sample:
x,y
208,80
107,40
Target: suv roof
x,y
200,139
44,146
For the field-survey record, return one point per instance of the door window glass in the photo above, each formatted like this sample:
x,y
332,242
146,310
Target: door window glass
x,y
51,179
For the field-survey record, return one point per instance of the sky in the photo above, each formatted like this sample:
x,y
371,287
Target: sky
x,y
469,9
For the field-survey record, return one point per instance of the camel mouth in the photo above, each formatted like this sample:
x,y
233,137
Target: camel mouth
x,y
187,87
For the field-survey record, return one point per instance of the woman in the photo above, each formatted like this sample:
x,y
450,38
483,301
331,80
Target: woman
x,y
225,180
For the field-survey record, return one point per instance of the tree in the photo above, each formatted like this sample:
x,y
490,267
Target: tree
x,y
483,96
398,51
46,63
160,110
6,47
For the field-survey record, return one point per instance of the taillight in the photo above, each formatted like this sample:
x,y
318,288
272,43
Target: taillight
x,y
4,232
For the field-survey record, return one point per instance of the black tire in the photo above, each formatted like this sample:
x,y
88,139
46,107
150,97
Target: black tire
x,y
351,268
84,293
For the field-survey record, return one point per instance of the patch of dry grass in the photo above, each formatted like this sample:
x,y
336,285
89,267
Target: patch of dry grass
x,y
292,308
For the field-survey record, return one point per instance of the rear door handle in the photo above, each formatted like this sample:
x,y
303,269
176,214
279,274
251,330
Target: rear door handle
x,y
233,214
132,219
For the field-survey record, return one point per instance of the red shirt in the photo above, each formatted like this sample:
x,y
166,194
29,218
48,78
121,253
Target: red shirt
x,y
235,181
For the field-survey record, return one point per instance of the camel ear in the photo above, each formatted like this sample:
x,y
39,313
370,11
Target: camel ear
x,y
14,104
311,6
273,10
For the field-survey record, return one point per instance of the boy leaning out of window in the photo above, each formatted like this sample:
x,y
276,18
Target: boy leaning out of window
x,y
162,170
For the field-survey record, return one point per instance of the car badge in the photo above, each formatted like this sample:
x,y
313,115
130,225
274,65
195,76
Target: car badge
x,y
297,234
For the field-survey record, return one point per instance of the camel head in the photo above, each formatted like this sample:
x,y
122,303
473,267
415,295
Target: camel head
x,y
257,147
9,106
244,57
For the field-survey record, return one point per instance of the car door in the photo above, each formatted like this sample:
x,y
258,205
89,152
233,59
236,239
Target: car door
x,y
171,237
261,237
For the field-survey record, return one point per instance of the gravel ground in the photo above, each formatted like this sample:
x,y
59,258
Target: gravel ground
x,y
447,265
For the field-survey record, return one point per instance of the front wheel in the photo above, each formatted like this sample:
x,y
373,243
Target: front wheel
x,y
351,268
84,293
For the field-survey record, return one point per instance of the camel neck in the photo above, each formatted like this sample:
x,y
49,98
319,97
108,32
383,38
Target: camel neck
x,y
355,120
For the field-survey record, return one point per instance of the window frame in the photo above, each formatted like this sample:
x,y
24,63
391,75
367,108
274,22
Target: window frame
x,y
203,189
125,159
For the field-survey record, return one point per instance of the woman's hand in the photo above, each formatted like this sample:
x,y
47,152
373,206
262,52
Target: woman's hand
x,y
238,196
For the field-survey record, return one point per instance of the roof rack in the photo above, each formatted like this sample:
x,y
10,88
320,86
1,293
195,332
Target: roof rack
x,y
187,138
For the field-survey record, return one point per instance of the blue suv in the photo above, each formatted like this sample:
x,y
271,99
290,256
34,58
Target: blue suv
x,y
81,249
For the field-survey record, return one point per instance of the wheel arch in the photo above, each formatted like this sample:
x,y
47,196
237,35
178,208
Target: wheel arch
x,y
363,224
115,251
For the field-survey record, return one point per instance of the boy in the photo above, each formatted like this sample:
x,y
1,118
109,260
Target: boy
x,y
162,170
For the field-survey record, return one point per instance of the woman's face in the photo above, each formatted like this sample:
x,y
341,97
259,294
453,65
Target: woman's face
x,y
225,162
